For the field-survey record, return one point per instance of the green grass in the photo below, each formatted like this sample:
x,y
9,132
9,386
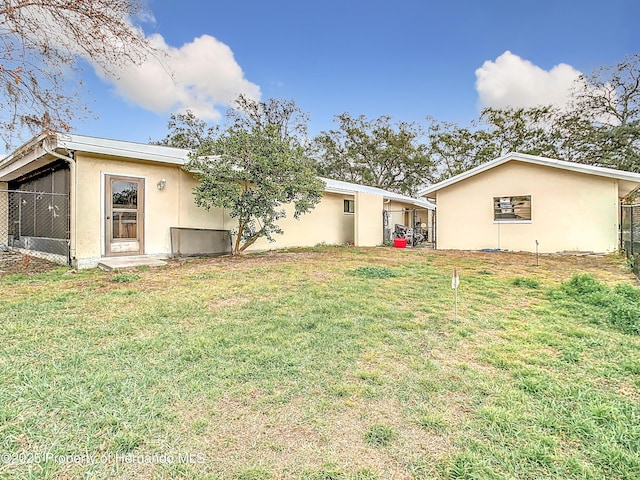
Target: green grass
x,y
379,435
618,306
526,282
324,363
373,272
124,277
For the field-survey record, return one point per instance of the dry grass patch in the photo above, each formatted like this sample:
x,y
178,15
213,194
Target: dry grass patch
x,y
300,436
289,365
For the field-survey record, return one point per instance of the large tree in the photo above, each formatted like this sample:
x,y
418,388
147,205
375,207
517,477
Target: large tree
x,y
376,152
455,149
603,128
43,44
255,168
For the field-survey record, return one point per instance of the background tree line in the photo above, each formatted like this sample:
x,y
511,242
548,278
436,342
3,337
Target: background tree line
x,y
600,126
44,42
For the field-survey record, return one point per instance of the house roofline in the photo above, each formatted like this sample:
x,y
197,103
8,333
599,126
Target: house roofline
x,y
33,155
342,187
23,150
101,146
536,160
120,148
32,151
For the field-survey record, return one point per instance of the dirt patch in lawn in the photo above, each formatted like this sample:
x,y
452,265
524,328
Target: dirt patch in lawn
x,y
554,267
15,262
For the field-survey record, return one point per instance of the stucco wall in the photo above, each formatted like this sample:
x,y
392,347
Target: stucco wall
x,y
161,207
368,221
174,206
326,223
569,211
190,215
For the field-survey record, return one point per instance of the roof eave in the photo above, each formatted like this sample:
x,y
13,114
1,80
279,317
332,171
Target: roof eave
x,y
24,159
118,148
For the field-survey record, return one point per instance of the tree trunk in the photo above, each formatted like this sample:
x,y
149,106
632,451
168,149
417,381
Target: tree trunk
x,y
236,248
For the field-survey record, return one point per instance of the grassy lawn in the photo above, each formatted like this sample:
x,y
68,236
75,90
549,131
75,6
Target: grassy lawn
x,y
324,363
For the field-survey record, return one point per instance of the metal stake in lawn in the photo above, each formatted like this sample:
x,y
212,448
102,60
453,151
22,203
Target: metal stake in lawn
x,y
537,253
455,281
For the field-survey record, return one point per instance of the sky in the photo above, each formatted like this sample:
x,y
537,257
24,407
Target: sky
x,y
409,59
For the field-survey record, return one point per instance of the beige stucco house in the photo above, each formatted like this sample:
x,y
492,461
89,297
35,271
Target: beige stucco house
x,y
516,200
86,199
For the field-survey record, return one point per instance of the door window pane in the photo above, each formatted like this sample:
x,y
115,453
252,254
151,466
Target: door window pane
x,y
125,225
124,194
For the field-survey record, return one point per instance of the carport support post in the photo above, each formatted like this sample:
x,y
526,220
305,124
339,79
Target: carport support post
x,y
631,239
4,214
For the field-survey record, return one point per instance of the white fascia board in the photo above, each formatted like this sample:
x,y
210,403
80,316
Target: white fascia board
x,y
118,148
19,162
424,204
347,188
576,167
22,151
340,191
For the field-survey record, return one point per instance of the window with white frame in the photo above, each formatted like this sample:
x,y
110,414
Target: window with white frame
x,y
512,208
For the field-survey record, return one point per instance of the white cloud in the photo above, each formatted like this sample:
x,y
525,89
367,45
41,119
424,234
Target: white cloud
x,y
511,81
202,76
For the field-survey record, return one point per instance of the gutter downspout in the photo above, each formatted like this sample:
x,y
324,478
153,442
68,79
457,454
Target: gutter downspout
x,y
72,198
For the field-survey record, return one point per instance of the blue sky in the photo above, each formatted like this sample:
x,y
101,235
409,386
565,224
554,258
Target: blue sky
x,y
405,58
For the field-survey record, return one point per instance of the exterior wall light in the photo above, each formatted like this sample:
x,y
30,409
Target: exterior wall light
x,y
161,184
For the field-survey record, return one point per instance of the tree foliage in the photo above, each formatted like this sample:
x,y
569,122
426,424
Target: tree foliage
x,y
41,43
287,120
189,132
601,127
256,167
375,152
611,94
455,149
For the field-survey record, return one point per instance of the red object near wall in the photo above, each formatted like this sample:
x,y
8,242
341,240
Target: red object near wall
x,y
400,242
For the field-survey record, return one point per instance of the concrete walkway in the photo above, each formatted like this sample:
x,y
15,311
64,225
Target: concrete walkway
x,y
120,263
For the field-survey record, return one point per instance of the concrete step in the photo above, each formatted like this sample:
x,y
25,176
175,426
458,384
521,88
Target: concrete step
x,y
121,263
